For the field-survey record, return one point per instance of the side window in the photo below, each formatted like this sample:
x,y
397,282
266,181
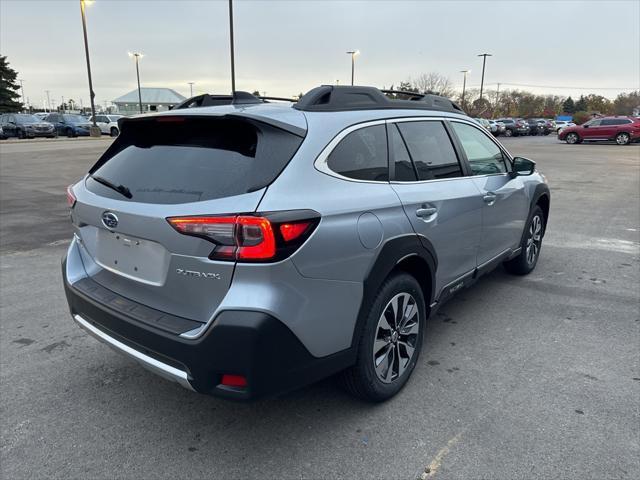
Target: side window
x,y
431,150
362,155
485,158
404,171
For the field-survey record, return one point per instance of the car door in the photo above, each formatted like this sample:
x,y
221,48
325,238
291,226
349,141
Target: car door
x,y
442,204
505,206
593,130
55,119
103,122
609,127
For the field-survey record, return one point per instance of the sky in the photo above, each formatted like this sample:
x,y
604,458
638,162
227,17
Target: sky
x,y
566,47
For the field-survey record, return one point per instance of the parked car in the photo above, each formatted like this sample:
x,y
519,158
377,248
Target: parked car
x,y
623,130
108,124
560,124
484,123
249,254
539,126
69,124
41,115
514,126
497,128
25,125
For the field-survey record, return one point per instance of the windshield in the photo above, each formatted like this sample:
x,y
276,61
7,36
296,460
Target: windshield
x,y
25,118
74,118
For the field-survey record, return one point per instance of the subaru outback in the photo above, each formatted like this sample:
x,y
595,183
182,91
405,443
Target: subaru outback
x,y
244,247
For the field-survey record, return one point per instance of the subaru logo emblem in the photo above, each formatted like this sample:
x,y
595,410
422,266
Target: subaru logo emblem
x,y
109,220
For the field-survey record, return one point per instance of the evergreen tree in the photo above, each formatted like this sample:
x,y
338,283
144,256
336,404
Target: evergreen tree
x,y
9,96
581,104
569,106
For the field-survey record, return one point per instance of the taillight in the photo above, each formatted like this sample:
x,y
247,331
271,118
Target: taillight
x,y
250,238
71,198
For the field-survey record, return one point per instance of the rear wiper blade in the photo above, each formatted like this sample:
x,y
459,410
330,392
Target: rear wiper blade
x,y
121,189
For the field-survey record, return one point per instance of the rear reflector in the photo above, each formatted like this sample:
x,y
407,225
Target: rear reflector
x,y
71,198
233,381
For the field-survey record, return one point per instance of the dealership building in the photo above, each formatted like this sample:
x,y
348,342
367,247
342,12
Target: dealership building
x,y
153,100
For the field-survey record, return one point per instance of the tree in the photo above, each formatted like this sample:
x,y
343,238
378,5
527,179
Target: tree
x,y
626,103
599,104
569,106
9,89
434,82
581,104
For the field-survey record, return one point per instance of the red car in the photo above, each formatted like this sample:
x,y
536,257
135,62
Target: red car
x,y
623,130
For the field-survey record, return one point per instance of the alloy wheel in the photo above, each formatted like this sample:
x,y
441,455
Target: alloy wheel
x,y
622,138
396,337
572,138
534,239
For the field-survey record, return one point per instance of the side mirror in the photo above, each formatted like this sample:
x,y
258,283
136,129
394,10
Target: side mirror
x,y
523,166
585,126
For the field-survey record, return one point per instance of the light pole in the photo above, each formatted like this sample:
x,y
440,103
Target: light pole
x,y
233,58
464,84
484,61
24,105
191,88
137,56
353,54
95,130
48,99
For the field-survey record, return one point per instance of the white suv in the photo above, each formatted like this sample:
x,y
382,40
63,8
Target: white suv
x,y
108,124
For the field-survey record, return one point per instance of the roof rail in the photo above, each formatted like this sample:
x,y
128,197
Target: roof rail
x,y
335,98
238,98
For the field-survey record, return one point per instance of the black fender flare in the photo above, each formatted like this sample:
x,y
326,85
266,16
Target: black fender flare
x,y
393,252
541,190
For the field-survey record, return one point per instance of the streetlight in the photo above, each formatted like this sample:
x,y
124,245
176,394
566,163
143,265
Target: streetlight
x,y
95,130
137,56
233,57
484,61
353,54
191,88
464,84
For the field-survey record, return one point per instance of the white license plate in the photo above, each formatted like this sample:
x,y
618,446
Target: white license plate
x,y
141,260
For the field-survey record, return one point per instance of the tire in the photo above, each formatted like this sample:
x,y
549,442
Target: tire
x,y
70,133
21,134
572,138
530,246
377,383
623,138
114,132
508,133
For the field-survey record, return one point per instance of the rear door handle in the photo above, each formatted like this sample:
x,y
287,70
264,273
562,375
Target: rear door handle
x,y
489,198
426,212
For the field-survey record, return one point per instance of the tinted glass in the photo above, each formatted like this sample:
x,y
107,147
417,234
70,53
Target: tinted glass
x,y
485,158
404,171
74,118
592,123
193,159
362,155
25,118
431,150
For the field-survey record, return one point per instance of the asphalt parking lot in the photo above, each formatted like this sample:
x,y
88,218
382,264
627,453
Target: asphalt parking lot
x,y
520,377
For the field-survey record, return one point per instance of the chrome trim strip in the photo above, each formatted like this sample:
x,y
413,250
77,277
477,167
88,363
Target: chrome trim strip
x,y
167,371
504,253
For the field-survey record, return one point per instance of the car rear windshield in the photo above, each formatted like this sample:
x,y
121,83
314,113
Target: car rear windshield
x,y
170,160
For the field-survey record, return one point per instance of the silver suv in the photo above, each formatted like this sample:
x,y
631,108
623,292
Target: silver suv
x,y
243,248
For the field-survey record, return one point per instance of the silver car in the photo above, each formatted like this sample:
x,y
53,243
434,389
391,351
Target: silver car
x,y
243,248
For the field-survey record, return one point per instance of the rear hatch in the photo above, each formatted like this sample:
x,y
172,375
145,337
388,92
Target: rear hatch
x,y
173,166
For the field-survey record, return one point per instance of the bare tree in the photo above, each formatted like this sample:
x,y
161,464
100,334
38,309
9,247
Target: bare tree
x,y
434,82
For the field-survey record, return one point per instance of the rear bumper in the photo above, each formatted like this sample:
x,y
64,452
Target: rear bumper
x,y
247,343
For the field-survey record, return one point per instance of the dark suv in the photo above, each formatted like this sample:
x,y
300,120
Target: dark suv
x,y
539,126
25,125
514,126
623,130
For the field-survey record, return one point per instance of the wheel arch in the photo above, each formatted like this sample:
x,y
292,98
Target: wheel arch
x,y
408,253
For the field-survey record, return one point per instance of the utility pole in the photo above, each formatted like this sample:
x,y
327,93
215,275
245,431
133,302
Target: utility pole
x,y
484,61
95,130
48,99
233,60
22,88
497,95
191,89
62,105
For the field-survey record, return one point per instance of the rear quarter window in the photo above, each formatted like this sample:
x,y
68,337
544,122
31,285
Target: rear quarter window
x,y
170,160
362,155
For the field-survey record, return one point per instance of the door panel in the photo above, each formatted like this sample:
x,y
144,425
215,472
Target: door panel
x,y
504,214
449,214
